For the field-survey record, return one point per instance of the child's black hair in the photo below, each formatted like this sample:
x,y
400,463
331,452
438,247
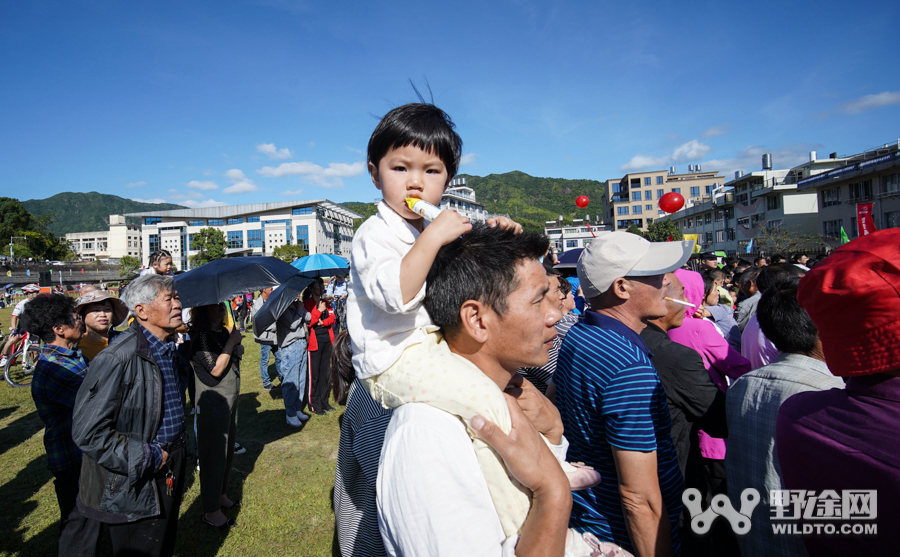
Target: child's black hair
x,y
421,125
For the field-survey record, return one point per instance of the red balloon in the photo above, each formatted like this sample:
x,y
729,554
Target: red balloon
x,y
671,202
582,201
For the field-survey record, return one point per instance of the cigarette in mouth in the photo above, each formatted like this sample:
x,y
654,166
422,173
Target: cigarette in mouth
x,y
688,304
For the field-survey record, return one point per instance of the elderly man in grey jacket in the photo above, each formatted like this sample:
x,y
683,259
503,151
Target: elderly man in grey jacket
x,y
290,360
128,421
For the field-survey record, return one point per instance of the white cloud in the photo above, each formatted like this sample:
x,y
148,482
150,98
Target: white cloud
x,y
208,203
176,197
715,131
869,102
355,150
292,192
203,186
240,182
135,184
273,152
154,200
468,158
693,150
314,174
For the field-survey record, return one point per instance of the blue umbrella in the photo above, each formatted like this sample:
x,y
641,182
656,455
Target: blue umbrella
x,y
8,285
569,259
322,265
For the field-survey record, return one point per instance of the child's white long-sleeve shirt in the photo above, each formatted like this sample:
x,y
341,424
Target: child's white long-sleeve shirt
x,y
381,326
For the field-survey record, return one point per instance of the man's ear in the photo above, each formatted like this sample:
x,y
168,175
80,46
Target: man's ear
x,y
140,311
373,172
473,314
621,288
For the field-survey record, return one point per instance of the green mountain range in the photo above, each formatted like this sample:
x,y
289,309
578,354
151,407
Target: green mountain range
x,y
528,200
88,212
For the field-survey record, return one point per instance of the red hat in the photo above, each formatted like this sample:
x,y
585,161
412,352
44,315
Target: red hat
x,y
853,297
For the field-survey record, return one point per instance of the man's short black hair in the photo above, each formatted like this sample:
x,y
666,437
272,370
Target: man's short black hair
x,y
564,287
783,321
773,274
757,260
742,265
716,274
777,258
421,125
47,311
750,275
481,265
798,256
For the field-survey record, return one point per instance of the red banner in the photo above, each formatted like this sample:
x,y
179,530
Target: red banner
x,y
864,219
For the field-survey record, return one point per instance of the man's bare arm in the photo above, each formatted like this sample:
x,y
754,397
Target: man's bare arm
x,y
642,504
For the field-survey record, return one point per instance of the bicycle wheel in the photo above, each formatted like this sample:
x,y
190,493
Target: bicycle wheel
x,y
20,368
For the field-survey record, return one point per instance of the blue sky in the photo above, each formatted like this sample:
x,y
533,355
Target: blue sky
x,y
233,102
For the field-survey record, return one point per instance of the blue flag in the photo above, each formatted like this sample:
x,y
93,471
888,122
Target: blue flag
x,y
28,272
750,245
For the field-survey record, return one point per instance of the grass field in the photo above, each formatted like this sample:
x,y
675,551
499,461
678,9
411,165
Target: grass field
x,y
284,480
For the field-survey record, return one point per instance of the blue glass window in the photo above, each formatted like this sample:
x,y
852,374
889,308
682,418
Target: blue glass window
x,y
216,222
303,236
659,180
302,211
236,221
255,238
235,239
152,220
252,219
200,222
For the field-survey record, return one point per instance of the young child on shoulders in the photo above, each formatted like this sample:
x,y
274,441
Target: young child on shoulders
x,y
415,152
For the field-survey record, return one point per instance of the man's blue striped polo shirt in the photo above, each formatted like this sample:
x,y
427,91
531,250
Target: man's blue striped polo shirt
x,y
608,393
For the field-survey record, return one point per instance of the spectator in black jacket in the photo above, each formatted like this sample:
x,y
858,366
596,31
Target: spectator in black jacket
x,y
690,391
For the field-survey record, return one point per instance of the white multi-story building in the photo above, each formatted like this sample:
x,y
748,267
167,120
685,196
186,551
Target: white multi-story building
x,y
319,226
109,245
461,198
564,237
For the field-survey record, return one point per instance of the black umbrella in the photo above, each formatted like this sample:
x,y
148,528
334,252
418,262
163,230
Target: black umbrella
x,y
224,279
278,301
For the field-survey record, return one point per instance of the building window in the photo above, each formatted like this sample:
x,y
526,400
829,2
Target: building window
x,y
190,241
616,187
708,190
648,207
892,219
302,211
707,218
718,216
729,234
647,181
236,221
708,237
200,222
676,190
154,242
636,210
649,221
832,228
831,197
699,221
635,196
861,191
890,184
152,220
648,195
720,235
659,180
571,244
744,221
254,238
622,210
235,239
695,191
216,222
252,219
303,236
660,193
773,202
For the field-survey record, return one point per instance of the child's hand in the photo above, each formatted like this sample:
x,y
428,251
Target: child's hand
x,y
505,224
447,227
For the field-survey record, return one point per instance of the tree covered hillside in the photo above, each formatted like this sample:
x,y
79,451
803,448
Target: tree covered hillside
x,y
88,212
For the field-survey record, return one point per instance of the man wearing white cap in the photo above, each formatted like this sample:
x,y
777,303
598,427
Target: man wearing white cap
x,y
612,403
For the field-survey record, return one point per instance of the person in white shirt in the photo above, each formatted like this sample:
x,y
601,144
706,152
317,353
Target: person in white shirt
x,y
432,496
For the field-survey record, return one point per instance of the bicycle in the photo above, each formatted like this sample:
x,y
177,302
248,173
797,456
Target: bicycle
x,y
19,368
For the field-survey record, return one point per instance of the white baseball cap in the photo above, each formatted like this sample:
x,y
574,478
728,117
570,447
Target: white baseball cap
x,y
623,254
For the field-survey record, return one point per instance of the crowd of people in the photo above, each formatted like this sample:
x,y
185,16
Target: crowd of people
x,y
499,404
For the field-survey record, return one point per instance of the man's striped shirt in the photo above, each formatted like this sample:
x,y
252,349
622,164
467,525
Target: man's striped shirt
x,y
609,394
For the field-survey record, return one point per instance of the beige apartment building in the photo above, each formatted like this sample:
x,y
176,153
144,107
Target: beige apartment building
x,y
634,198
